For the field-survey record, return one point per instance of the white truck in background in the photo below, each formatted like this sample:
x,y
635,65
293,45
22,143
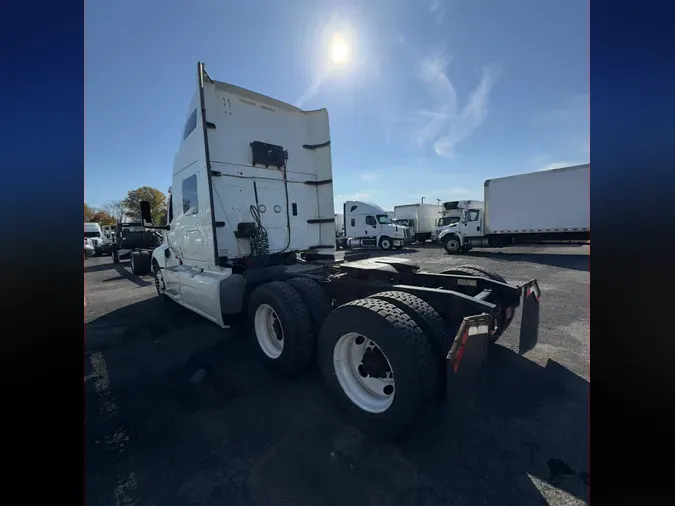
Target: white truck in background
x,y
108,238
369,226
451,213
251,229
92,231
545,207
421,218
339,225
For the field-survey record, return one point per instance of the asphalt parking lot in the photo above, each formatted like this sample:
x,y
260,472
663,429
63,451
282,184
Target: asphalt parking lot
x,y
179,411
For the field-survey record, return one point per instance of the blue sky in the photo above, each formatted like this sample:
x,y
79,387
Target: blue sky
x,y
435,97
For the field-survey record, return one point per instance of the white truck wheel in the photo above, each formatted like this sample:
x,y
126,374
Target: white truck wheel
x,y
452,245
378,364
282,327
386,243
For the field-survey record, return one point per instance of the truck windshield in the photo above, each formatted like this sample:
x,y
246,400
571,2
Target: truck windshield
x,y
91,234
447,220
383,219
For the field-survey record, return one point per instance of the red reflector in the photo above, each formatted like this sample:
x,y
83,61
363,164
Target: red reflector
x,y
460,352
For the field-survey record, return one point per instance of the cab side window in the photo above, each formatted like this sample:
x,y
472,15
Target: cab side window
x,y
190,125
190,199
472,215
370,220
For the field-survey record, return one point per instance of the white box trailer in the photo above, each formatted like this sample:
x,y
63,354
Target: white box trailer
x,y
421,218
551,206
555,200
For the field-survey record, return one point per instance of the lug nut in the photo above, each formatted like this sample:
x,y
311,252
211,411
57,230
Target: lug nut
x,y
360,340
388,390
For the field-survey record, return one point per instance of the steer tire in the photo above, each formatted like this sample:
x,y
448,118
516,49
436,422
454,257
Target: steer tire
x,y
386,243
296,324
408,351
319,304
452,245
140,262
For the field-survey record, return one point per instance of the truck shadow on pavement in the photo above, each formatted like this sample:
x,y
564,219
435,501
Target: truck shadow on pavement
x,y
100,267
579,262
209,424
127,274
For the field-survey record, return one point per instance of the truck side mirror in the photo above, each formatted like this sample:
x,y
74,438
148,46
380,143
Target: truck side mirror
x,y
146,215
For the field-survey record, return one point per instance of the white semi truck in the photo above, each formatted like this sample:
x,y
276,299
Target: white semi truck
x,y
251,229
369,226
92,231
421,218
545,207
452,213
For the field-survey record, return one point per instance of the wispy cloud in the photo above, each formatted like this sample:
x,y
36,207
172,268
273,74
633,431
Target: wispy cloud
x,y
574,108
369,176
310,91
444,125
440,8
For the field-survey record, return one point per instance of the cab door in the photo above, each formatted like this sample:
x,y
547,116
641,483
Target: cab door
x,y
472,225
371,227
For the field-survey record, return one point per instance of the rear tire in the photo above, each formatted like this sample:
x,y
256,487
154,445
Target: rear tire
x,y
426,317
409,356
482,272
140,262
316,298
487,272
282,326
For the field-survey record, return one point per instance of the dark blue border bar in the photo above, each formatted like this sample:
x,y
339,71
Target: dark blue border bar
x,y
632,214
42,162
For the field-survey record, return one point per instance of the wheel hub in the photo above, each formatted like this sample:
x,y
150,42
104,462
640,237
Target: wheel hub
x,y
269,331
374,363
364,372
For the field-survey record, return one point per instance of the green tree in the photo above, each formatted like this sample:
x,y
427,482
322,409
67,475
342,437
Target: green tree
x,y
156,198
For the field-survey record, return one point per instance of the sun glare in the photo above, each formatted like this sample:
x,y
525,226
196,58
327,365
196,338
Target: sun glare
x,y
339,50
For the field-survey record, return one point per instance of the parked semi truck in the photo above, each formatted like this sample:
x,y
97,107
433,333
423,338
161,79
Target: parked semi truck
x,y
134,242
545,207
452,212
369,226
251,230
420,218
92,231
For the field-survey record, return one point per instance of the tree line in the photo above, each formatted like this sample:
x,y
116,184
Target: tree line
x,y
129,208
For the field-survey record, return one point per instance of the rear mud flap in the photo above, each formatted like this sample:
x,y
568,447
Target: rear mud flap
x,y
529,325
466,361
